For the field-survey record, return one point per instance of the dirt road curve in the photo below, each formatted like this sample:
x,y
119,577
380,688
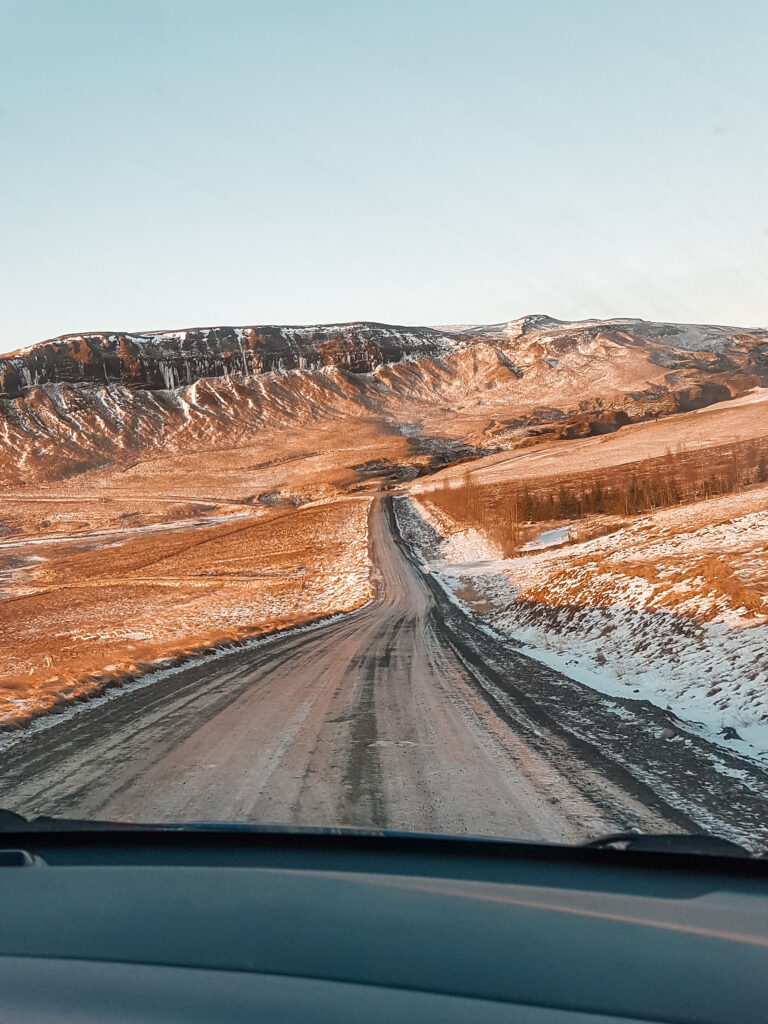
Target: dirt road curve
x,y
374,720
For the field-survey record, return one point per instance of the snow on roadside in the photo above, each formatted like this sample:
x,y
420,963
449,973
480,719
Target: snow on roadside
x,y
632,614
440,539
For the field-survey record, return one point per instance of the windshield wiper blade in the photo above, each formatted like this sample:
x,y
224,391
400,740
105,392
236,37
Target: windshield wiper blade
x,y
645,842
671,842
11,821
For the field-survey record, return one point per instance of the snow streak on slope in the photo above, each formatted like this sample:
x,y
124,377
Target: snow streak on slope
x,y
691,337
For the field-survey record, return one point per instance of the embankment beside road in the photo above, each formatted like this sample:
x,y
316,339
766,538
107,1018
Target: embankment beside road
x,y
671,608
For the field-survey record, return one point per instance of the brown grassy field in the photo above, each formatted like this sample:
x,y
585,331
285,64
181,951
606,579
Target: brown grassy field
x,y
662,565
84,618
741,419
105,573
161,551
595,484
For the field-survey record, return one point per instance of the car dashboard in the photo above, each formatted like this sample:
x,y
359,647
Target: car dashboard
x,y
218,925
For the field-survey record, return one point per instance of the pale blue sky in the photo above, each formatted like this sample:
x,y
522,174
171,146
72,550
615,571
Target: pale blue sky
x,y
183,163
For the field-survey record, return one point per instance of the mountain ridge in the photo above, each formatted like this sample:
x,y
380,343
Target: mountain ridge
x,y
167,359
79,402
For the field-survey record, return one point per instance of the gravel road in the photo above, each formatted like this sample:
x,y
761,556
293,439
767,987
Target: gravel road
x,y
383,718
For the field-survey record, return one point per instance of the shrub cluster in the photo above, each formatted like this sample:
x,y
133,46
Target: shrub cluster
x,y
503,511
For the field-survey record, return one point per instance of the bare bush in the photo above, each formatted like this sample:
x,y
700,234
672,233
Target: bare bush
x,y
506,512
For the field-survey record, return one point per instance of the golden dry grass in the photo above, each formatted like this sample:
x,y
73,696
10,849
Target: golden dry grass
x,y
740,420
104,573
89,617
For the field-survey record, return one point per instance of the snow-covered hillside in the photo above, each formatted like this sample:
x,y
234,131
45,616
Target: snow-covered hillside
x,y
81,401
169,359
693,337
672,608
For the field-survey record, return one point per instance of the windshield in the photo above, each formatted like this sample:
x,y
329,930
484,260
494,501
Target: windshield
x,y
384,416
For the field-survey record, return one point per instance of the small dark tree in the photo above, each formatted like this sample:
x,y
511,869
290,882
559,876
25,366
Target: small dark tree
x,y
565,502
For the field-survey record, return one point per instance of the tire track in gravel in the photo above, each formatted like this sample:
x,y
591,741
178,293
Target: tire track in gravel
x,y
386,717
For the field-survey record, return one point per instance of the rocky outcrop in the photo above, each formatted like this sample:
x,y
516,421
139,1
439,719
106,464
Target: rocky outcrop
x,y
699,347
171,359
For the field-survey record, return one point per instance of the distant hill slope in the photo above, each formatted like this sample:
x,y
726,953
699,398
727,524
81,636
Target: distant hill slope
x,y
163,360
691,337
85,401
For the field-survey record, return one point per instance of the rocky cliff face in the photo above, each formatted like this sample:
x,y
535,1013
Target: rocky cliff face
x,y
171,359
